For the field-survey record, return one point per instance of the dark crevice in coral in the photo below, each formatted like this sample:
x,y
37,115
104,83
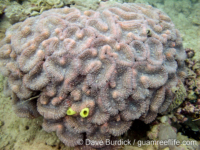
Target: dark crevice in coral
x,y
59,147
137,131
53,146
18,1
72,3
26,127
40,127
189,132
84,137
68,5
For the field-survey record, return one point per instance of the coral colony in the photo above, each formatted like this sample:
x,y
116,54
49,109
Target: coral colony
x,y
93,72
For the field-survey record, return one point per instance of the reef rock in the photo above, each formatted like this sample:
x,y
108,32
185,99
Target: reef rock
x,y
90,74
15,13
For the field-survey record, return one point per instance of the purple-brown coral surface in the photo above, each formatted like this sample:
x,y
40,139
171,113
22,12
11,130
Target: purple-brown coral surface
x,y
120,62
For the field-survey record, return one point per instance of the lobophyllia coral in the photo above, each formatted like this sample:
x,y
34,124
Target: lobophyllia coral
x,y
90,74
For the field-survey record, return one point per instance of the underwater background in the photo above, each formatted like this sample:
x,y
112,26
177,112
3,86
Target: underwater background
x,y
183,123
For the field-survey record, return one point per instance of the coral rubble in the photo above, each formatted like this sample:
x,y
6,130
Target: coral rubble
x,y
189,112
163,130
16,11
92,73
